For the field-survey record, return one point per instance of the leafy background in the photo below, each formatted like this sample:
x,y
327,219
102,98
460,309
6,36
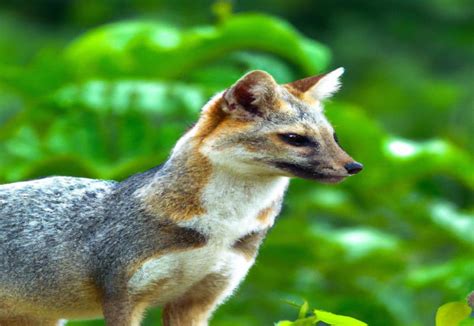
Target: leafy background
x,y
104,89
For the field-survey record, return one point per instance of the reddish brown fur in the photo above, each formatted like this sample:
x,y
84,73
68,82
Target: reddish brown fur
x,y
196,305
210,120
303,85
265,215
180,202
216,122
91,291
293,91
25,321
88,307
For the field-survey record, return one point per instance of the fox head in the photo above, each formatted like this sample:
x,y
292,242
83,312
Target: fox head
x,y
258,127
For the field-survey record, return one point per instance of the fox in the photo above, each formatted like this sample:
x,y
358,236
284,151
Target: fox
x,y
182,235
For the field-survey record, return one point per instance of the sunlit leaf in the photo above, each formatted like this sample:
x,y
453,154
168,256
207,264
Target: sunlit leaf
x,y
284,323
303,310
450,314
337,320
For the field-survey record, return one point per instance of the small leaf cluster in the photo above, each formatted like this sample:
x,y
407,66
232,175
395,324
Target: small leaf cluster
x,y
320,317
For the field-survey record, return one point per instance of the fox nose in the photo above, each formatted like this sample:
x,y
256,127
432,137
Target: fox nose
x,y
353,167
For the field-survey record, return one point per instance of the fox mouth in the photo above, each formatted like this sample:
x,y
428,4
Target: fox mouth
x,y
309,173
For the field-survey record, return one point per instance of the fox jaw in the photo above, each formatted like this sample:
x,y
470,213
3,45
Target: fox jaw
x,y
259,128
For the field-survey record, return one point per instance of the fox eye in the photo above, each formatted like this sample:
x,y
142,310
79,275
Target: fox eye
x,y
296,140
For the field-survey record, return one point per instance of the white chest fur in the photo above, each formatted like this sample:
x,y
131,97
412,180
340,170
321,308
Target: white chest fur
x,y
232,206
178,272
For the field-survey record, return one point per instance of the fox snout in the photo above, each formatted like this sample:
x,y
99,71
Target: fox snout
x,y
317,171
334,174
330,164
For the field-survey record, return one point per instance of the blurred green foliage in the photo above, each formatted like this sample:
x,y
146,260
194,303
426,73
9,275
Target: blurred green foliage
x,y
387,247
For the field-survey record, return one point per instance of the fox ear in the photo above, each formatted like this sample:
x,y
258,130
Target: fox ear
x,y
320,86
251,95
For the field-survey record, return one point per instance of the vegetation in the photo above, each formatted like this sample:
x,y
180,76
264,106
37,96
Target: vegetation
x,y
388,246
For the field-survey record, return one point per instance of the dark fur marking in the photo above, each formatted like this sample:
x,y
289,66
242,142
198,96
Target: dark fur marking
x,y
302,171
91,194
176,237
245,98
248,245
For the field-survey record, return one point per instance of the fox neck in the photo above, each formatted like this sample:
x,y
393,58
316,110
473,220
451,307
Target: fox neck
x,y
229,202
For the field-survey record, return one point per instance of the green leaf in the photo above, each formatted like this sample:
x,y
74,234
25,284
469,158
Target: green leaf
x,y
452,313
337,320
303,310
284,323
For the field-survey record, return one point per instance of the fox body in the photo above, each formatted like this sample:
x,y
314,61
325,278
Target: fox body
x,y
182,235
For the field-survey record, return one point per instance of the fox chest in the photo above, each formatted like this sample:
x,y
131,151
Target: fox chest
x,y
228,251
165,278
